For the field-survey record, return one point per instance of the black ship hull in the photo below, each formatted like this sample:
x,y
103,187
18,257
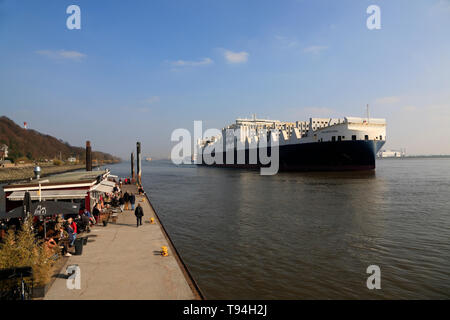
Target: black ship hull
x,y
317,156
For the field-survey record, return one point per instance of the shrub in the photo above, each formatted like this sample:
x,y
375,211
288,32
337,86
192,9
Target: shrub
x,y
24,250
57,162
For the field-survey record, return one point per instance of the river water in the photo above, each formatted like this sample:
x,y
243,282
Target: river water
x,y
308,235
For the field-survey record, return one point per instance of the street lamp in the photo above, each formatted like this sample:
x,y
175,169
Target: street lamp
x,y
37,172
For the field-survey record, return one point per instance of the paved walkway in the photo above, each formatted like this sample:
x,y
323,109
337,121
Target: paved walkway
x,y
120,262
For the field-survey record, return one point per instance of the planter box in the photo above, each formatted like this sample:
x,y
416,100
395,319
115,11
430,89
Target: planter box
x,y
39,292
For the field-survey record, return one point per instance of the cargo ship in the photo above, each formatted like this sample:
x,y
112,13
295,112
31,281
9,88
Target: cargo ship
x,y
320,144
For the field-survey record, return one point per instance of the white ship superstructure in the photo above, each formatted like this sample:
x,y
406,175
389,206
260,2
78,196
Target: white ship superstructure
x,y
250,131
320,143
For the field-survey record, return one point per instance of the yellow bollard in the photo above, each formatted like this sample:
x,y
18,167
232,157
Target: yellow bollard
x,y
164,251
152,220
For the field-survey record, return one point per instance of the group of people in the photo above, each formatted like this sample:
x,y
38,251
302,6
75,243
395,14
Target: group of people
x,y
125,181
58,230
116,199
127,201
62,230
123,200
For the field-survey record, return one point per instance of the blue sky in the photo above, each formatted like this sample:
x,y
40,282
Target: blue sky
x,y
137,70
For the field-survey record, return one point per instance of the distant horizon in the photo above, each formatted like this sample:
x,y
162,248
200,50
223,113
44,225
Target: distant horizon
x,y
136,72
156,158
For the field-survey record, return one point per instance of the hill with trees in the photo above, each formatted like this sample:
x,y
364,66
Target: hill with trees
x,y
27,144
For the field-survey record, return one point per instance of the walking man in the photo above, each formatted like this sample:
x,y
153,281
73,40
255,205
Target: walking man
x,y
139,212
126,198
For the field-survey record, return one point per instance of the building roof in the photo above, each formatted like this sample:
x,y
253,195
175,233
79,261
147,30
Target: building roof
x,y
49,194
63,180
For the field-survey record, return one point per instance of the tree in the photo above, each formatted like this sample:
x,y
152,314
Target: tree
x,y
24,250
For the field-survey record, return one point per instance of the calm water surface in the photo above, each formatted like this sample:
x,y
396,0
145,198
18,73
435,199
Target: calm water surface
x,y
308,235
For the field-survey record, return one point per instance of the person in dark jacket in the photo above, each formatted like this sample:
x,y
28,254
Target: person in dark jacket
x,y
121,203
139,212
96,212
132,200
126,198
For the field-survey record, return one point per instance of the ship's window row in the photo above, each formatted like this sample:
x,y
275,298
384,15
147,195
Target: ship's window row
x,y
354,138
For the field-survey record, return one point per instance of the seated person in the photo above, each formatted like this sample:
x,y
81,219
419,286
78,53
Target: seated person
x,y
59,222
71,229
49,234
50,245
63,241
107,200
87,214
96,211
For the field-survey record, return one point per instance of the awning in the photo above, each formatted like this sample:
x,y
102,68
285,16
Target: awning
x,y
103,187
49,195
12,214
109,183
44,208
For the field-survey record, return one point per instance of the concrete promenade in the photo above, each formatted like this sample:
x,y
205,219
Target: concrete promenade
x,y
122,261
